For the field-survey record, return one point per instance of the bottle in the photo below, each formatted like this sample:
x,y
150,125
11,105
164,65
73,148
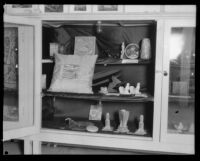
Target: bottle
x,y
100,107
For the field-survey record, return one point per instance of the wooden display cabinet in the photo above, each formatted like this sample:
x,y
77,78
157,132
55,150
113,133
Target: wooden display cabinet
x,y
77,106
153,76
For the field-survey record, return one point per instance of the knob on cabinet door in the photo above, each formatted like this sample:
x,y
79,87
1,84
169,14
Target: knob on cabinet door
x,y
165,73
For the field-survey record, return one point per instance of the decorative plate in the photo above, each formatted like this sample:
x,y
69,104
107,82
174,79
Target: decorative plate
x,y
132,51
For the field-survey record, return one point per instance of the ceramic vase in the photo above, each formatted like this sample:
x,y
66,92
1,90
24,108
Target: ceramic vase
x,y
145,49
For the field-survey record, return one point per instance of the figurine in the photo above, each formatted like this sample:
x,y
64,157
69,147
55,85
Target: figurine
x,y
127,89
113,84
137,89
121,90
132,90
123,117
180,127
141,130
77,125
122,50
107,126
103,90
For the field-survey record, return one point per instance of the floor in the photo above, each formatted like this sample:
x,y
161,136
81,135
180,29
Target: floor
x,y
15,147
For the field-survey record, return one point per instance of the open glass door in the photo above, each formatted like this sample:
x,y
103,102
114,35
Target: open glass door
x,y
20,48
178,96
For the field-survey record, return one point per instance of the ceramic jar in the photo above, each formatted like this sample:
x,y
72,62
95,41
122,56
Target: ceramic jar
x,y
145,49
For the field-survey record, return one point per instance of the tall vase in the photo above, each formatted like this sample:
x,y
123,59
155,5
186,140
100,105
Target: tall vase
x,y
145,49
123,116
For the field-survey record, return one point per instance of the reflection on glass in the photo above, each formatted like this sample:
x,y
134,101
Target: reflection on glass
x,y
10,106
181,81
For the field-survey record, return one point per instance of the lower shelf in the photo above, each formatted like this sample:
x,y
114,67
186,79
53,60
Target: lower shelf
x,y
59,123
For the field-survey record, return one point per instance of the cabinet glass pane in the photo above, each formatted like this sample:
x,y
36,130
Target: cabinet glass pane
x,y
10,106
182,80
18,76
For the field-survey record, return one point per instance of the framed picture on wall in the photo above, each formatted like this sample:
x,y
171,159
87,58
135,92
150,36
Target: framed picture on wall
x,y
80,8
53,8
21,9
107,8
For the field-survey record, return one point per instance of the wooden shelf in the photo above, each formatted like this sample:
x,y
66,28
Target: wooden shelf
x,y
109,61
99,97
112,61
126,98
175,98
59,123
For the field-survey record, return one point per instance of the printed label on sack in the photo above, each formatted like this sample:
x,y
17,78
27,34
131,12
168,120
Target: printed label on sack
x,y
70,71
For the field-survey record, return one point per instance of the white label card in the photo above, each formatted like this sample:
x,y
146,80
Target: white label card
x,y
95,112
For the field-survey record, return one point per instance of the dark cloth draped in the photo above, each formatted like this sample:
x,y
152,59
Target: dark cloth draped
x,y
110,39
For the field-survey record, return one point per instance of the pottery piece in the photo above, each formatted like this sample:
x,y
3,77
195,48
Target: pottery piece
x,y
127,89
145,49
132,90
123,117
107,126
137,89
132,51
92,128
121,90
103,90
141,130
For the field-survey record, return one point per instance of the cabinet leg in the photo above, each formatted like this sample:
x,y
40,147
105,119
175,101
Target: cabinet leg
x,y
28,146
37,147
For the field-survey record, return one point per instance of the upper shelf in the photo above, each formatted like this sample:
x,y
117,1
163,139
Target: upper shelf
x,y
100,97
111,61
